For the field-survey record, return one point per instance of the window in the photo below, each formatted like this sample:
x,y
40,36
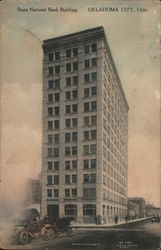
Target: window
x,y
86,149
56,165
75,51
57,83
56,138
74,150
68,67
57,69
68,53
93,105
56,179
89,209
93,149
67,109
86,178
86,78
94,47
67,150
50,165
93,134
75,94
86,92
50,84
89,192
49,180
93,91
50,139
68,95
93,178
50,152
50,70
93,120
56,110
74,136
93,163
50,125
67,179
68,81
94,62
56,97
49,193
74,178
86,135
67,165
75,80
71,209
86,164
50,57
56,152
50,97
87,63
86,121
74,122
94,76
74,192
75,65
56,124
57,55
67,137
67,192
67,123
87,49
56,193
74,107
86,106
74,164
50,111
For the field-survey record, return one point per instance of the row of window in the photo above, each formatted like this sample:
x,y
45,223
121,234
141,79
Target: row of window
x,y
70,109
71,179
72,192
89,77
87,150
69,165
72,52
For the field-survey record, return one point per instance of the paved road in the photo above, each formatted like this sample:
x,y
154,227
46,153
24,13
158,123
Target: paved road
x,y
143,235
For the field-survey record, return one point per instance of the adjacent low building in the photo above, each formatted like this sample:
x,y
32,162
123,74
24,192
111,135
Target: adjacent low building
x,y
85,129
136,207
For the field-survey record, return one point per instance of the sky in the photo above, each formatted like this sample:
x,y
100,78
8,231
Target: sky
x,y
134,42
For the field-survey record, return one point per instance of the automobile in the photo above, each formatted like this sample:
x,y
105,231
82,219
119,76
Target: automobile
x,y
156,219
63,225
28,226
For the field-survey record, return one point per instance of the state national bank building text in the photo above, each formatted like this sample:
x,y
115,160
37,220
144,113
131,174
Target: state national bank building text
x,y
85,130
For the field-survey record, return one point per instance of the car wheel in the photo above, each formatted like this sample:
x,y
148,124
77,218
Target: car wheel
x,y
24,237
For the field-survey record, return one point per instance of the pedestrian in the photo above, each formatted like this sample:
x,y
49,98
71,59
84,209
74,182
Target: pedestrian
x,y
116,219
126,218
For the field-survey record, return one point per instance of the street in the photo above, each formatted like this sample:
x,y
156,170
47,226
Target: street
x,y
138,235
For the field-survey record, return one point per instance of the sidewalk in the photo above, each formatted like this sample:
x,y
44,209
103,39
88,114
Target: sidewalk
x,y
77,226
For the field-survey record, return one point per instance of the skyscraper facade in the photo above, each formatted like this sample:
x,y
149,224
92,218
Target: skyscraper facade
x,y
85,129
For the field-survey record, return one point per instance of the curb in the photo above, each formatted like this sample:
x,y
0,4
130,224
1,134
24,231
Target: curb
x,y
105,226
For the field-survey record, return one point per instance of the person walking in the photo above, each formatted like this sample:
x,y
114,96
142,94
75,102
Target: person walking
x,y
116,219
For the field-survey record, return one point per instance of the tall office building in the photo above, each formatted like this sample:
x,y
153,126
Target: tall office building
x,y
85,129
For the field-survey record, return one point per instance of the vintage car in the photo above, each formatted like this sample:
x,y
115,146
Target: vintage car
x,y
28,226
63,225
156,219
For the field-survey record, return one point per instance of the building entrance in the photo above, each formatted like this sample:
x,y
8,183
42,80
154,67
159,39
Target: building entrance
x,y
53,212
